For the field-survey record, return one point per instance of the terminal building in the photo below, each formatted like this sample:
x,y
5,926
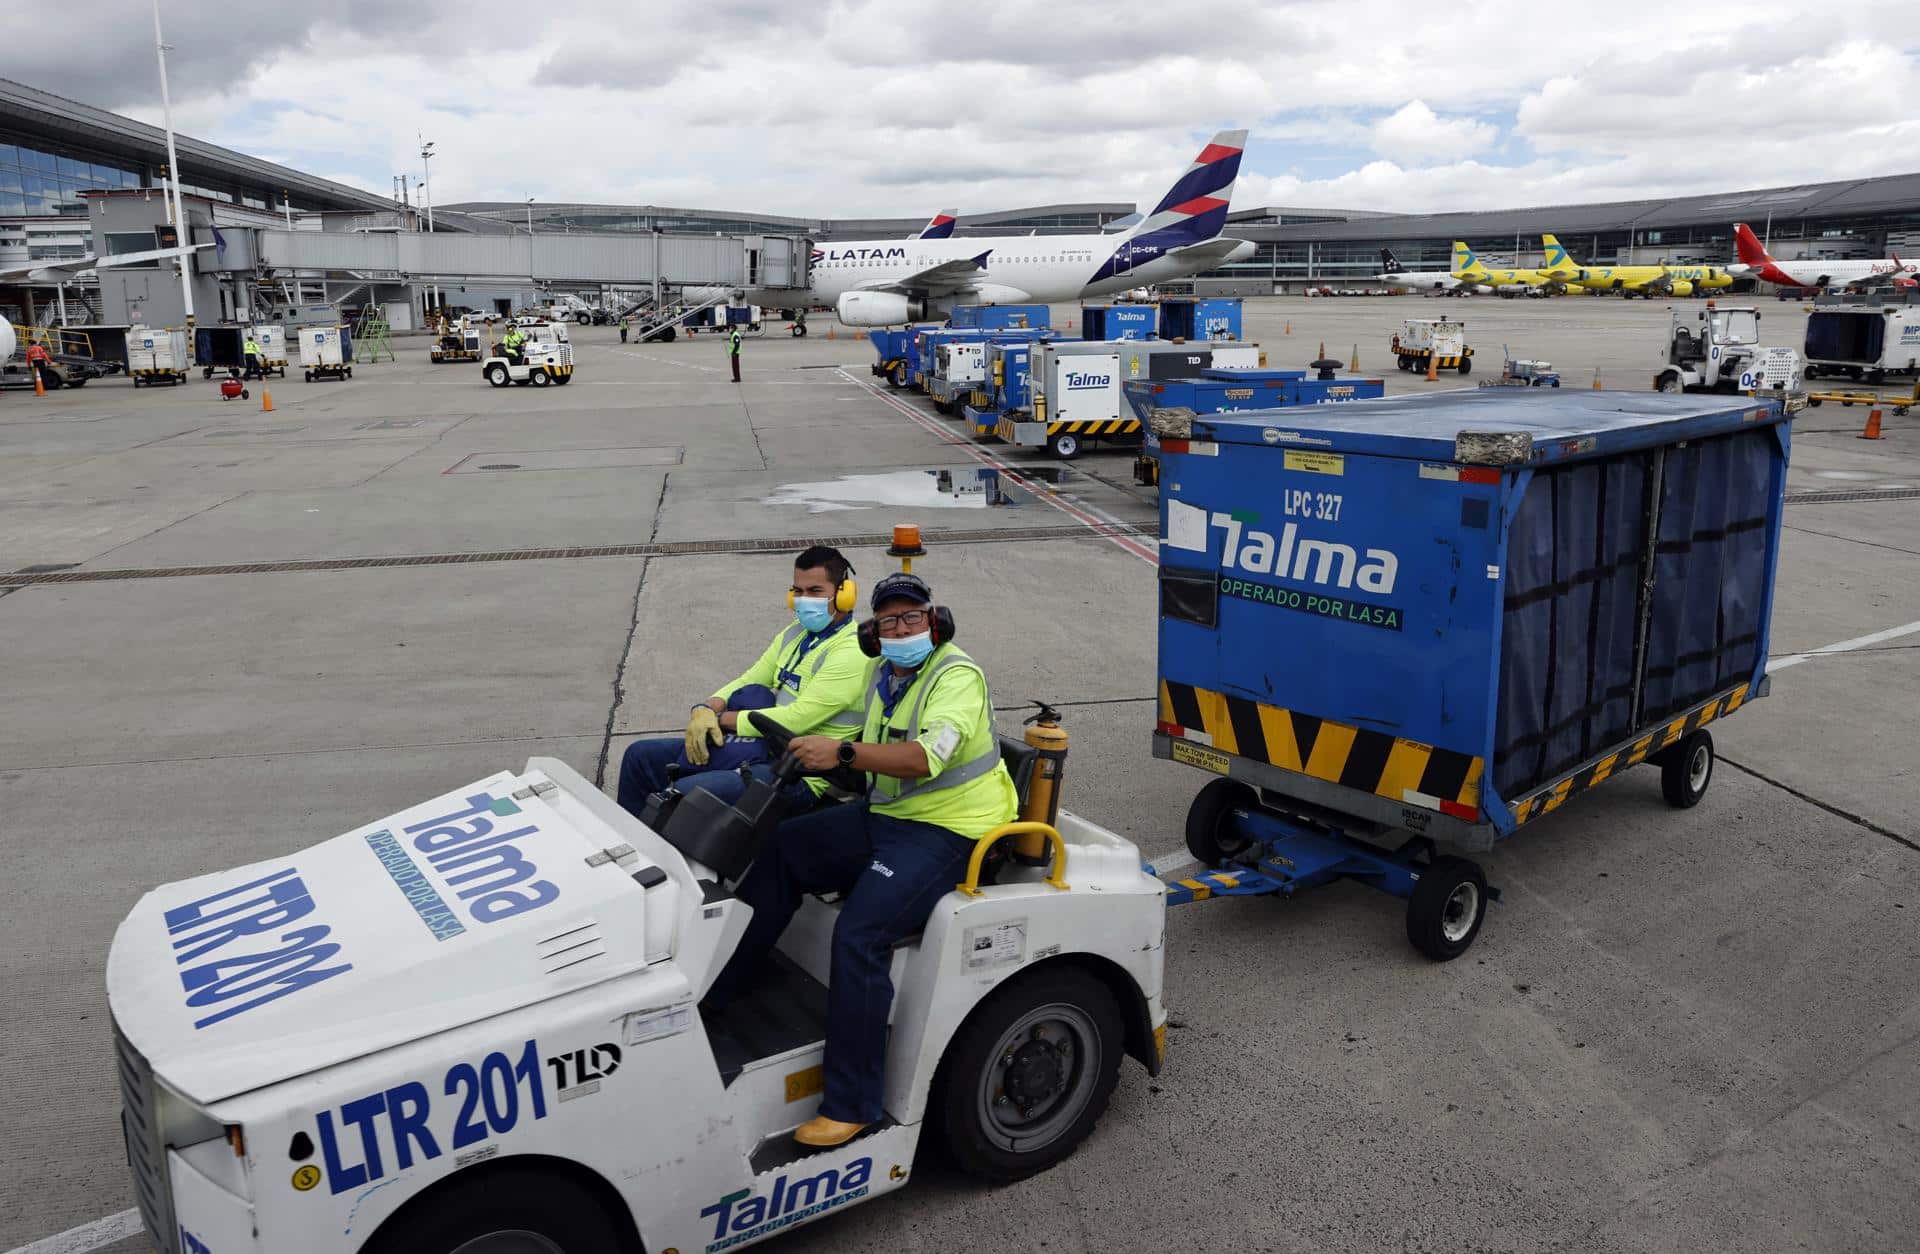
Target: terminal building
x,y
77,182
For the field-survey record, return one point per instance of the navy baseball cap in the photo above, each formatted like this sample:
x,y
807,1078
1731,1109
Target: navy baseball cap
x,y
901,586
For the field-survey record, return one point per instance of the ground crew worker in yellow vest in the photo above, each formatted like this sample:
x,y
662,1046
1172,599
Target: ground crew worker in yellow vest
x,y
255,359
813,677
937,785
733,351
511,344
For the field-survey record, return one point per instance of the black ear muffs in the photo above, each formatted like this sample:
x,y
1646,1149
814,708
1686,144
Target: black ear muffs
x,y
941,627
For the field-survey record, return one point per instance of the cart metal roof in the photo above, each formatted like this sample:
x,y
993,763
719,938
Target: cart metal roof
x,y
1494,426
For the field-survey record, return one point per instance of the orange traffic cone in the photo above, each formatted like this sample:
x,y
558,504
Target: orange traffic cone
x,y
1873,427
830,334
1069,324
1355,367
1433,368
1323,351
39,386
1289,330
1597,385
266,401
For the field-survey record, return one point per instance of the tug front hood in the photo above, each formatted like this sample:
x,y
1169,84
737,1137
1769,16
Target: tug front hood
x,y
489,898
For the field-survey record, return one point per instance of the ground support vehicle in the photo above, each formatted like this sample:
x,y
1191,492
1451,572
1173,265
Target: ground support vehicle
x,y
1221,390
1439,341
1868,342
1897,403
1507,596
895,354
1717,349
546,358
1523,373
926,347
1200,318
326,352
720,319
1076,393
459,340
157,355
231,389
1001,317
476,1025
1122,322
960,366
1005,392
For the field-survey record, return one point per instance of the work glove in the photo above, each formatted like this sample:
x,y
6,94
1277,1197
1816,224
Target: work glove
x,y
703,726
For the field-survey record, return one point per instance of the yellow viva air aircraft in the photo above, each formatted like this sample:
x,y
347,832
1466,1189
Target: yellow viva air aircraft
x,y
1467,268
1646,282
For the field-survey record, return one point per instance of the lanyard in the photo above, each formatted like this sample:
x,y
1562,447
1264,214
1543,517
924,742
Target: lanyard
x,y
806,644
889,704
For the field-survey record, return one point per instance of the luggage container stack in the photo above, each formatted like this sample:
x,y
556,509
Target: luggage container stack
x,y
1075,386
960,367
1426,622
1119,322
1190,318
1219,390
1005,390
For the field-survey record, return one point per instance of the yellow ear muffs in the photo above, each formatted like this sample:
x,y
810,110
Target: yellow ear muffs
x,y
846,596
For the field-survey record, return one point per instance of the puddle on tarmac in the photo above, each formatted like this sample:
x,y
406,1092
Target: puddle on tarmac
x,y
965,488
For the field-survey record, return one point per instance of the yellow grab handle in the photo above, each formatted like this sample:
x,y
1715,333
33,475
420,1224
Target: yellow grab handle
x,y
1055,873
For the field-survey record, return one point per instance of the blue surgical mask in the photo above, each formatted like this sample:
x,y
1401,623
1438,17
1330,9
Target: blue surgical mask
x,y
814,613
908,651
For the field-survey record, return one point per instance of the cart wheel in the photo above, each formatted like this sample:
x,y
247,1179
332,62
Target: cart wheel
x,y
1028,1074
309,376
1406,362
1446,909
509,1207
541,377
245,395
898,376
1065,446
1211,836
1686,770
1466,365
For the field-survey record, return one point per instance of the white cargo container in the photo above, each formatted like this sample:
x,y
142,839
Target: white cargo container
x,y
273,347
1076,386
157,355
1442,336
323,353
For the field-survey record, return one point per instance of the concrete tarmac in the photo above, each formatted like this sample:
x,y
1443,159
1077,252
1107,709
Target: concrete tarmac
x,y
1681,1031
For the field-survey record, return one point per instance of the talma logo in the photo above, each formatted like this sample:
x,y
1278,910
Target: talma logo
x,y
1305,561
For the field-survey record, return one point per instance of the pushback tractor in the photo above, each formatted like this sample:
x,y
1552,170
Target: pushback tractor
x,y
475,1025
1398,631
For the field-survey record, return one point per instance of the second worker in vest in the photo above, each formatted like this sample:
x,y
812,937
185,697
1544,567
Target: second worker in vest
x,y
937,786
815,670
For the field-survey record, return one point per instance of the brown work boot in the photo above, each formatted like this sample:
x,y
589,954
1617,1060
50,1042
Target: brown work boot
x,y
825,1133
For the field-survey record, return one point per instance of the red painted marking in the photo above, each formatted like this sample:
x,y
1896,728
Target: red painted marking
x,y
1479,474
1175,446
1458,811
1169,729
1215,152
1200,204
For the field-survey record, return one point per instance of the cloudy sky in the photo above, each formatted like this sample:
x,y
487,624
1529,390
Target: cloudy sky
x,y
849,108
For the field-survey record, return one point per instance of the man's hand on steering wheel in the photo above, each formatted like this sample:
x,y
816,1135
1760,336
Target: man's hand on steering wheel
x,y
815,753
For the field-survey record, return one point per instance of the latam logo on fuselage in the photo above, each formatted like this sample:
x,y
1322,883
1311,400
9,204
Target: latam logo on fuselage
x,y
1305,561
892,253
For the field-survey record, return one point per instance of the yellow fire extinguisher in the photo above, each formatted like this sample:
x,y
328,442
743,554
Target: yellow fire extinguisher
x,y
1045,734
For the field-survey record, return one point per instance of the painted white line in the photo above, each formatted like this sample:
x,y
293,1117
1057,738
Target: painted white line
x,y
1098,521
1845,646
87,1236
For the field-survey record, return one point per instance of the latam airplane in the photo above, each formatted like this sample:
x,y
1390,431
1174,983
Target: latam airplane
x,y
879,283
940,225
1819,271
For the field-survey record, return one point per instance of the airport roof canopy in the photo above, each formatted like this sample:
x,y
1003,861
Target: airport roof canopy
x,y
115,134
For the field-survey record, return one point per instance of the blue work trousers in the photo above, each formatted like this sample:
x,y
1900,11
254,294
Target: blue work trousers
x,y
643,772
893,872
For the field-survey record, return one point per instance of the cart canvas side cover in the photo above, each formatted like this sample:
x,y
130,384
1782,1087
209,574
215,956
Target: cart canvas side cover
x,y
1448,613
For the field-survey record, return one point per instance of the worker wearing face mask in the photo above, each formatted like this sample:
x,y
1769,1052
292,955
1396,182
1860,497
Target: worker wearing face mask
x,y
937,784
811,680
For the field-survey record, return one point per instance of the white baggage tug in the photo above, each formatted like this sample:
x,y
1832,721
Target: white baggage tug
x,y
473,1026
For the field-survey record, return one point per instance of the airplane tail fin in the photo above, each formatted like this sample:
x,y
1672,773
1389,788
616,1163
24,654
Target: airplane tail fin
x,y
1389,264
1557,257
940,226
1747,244
1195,207
1463,258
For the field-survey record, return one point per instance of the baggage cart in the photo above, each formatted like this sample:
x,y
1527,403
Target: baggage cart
x,y
1221,390
1001,317
894,354
1005,390
219,348
1119,322
1443,341
273,348
326,353
1423,623
1188,318
1076,388
157,355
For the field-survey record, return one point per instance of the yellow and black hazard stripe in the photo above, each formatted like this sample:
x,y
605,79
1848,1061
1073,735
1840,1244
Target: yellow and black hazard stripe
x,y
1406,772
1553,796
1095,426
1201,887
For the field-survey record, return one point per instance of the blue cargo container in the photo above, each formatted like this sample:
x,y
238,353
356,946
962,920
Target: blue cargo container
x,y
894,352
957,378
1186,318
1219,390
1432,620
1118,322
1000,317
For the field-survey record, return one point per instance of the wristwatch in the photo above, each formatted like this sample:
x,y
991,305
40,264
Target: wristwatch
x,y
846,753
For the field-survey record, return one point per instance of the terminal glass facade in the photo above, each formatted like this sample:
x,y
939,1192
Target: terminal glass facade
x,y
35,181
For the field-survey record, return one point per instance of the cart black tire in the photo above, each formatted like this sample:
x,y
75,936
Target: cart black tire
x,y
942,407
1686,770
1466,365
1208,836
1811,372
550,1205
898,375
540,377
1448,904
245,395
1406,362
1065,1003
799,330
497,375
1065,446
1669,382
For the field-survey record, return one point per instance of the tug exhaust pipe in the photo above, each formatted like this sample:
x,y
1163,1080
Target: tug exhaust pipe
x,y
1045,734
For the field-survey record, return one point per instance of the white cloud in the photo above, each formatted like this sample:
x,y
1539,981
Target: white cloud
x,y
871,107
1416,135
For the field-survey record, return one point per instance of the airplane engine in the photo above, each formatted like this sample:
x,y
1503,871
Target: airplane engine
x,y
1683,287
7,341
879,309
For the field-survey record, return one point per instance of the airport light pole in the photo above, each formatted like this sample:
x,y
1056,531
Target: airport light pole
x,y
182,234
426,196
530,274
